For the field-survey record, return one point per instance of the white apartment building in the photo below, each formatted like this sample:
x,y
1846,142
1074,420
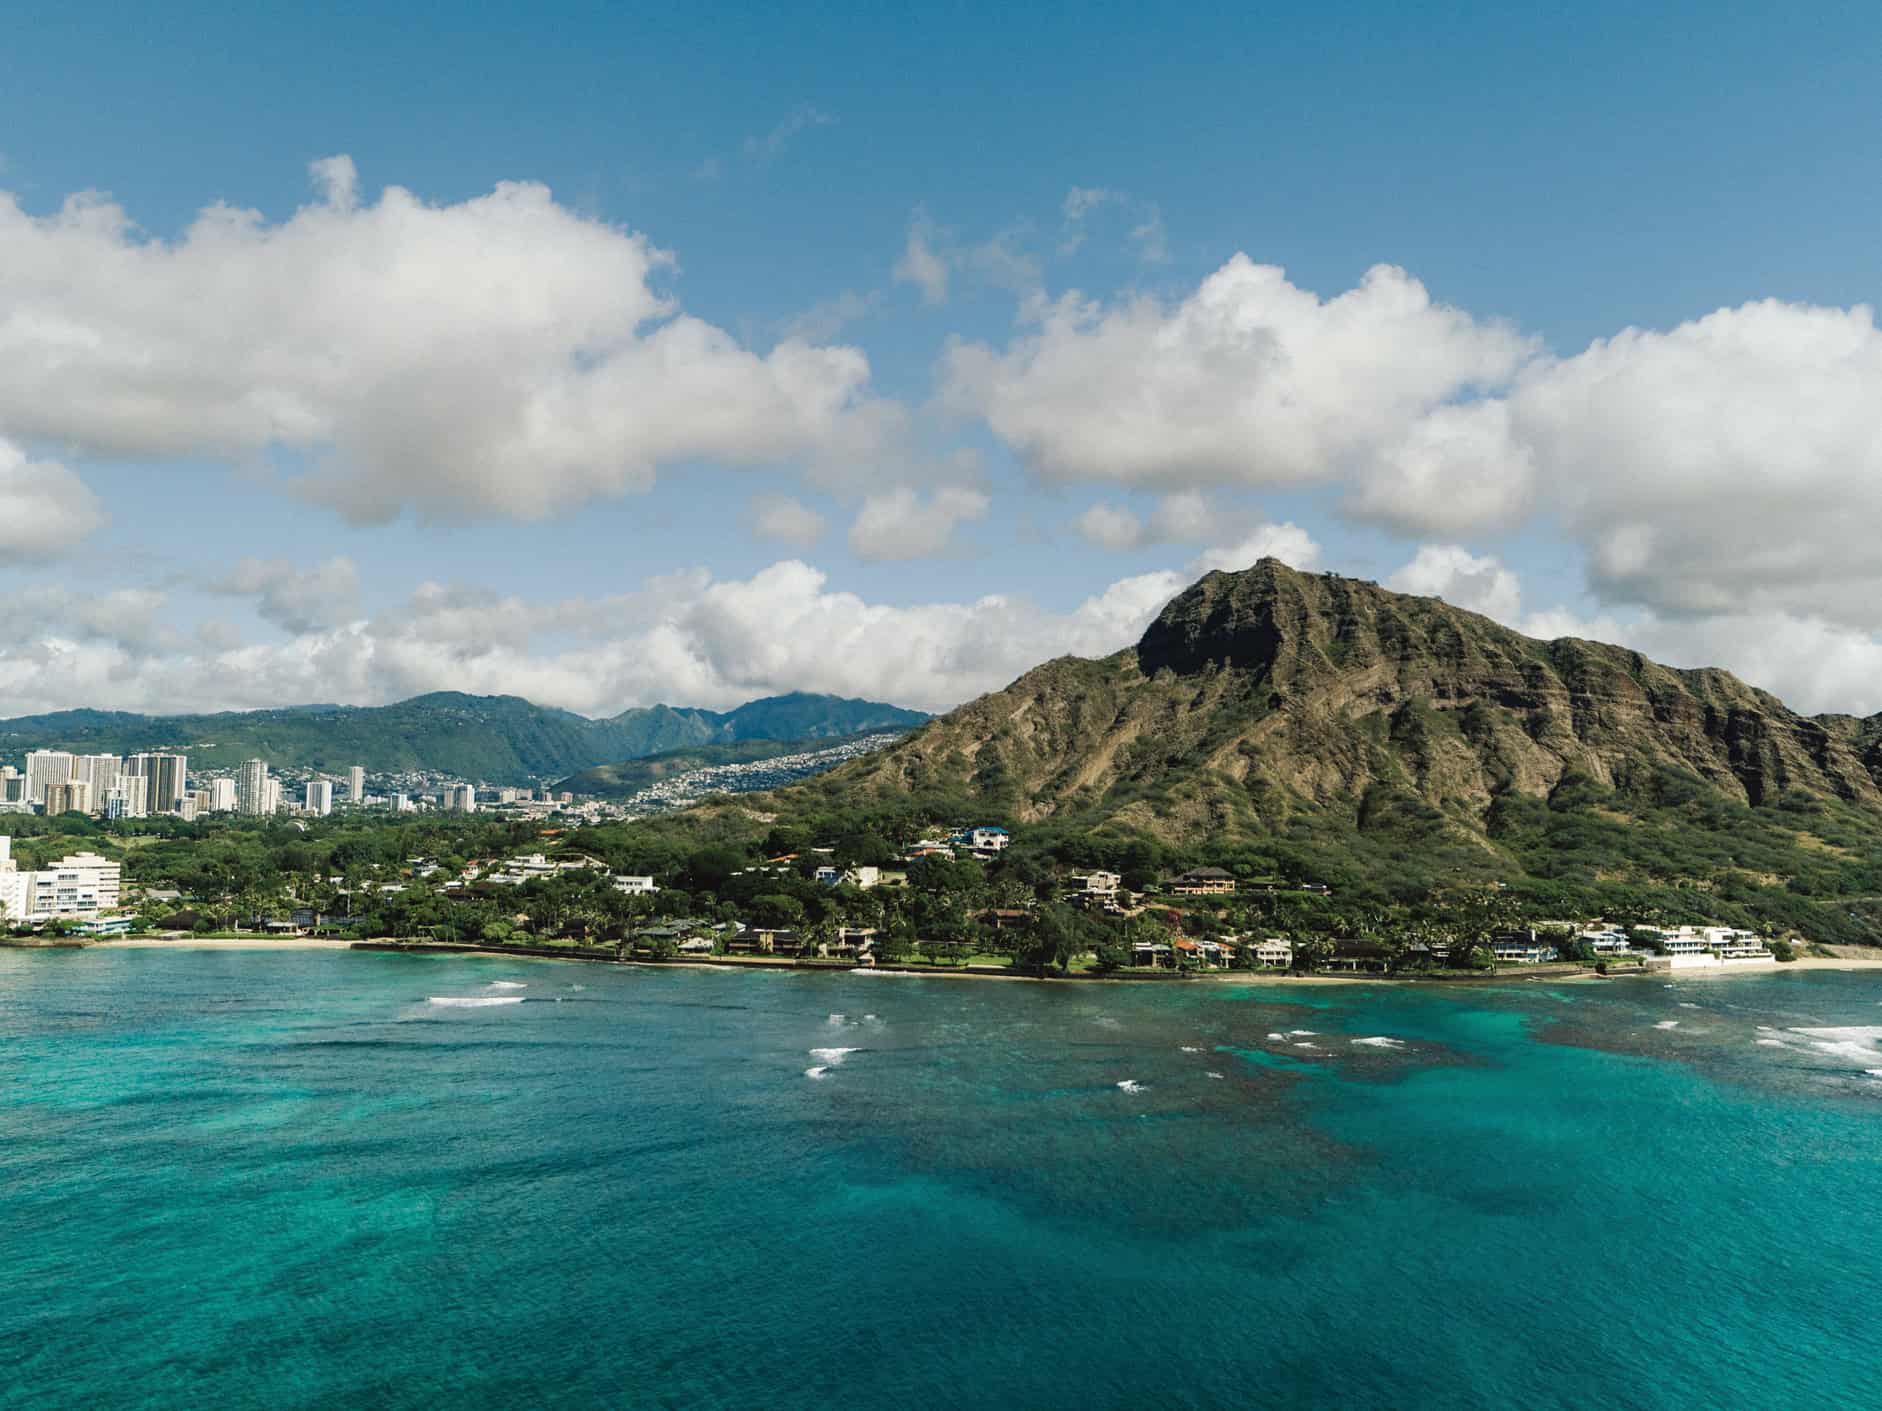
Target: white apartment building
x,y
319,797
44,768
460,798
221,796
83,884
356,785
251,787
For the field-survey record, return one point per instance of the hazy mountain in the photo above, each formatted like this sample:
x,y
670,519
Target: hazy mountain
x,y
495,738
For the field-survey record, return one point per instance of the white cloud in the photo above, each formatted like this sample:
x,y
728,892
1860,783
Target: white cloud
x,y
294,599
45,510
1151,239
922,264
799,120
788,521
1249,381
829,317
1475,583
902,524
502,356
1109,527
1287,542
1186,517
689,639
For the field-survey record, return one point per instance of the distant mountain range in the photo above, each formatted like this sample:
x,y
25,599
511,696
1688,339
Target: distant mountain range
x,y
499,739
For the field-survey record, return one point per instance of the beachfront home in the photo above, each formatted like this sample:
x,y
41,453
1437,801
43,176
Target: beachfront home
x,y
1150,953
1686,946
1522,947
1204,882
1274,953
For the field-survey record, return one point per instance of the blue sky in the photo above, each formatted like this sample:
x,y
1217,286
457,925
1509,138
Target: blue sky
x,y
347,457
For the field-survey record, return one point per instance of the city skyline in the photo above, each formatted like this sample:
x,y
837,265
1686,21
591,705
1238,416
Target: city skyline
x,y
596,381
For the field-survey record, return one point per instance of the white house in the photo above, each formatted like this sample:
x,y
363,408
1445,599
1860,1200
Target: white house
x,y
1096,884
635,886
1274,953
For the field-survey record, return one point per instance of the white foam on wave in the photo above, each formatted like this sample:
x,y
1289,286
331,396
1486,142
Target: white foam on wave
x,y
1300,1033
1277,1038
1771,1043
1667,1024
472,1001
837,1019
1190,1048
1856,1042
508,985
1687,1004
1302,1043
1212,1074
831,1055
819,1071
1130,1085
1380,1041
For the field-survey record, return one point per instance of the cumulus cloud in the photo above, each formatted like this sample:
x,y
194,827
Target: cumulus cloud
x,y
921,263
45,510
1187,517
1476,583
693,639
501,356
1250,380
1287,542
903,524
788,521
296,599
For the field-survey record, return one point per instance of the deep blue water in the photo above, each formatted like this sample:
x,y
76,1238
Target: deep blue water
x,y
289,1180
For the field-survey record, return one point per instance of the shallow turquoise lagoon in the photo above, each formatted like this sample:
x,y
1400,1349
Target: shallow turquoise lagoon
x,y
299,1180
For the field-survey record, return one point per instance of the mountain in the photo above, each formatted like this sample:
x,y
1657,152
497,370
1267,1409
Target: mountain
x,y
629,776
501,739
1327,728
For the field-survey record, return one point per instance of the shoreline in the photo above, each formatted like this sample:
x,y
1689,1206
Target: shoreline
x,y
1242,977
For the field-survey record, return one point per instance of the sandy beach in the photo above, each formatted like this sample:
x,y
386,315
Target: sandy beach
x,y
222,943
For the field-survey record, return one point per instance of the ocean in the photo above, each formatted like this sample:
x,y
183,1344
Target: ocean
x,y
332,1179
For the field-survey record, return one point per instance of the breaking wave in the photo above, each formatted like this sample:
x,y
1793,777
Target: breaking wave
x,y
472,1001
1130,1085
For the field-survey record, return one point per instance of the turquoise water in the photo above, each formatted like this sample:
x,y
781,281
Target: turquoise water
x,y
291,1180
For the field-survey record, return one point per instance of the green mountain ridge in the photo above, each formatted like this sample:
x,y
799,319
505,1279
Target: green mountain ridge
x,y
499,739
1391,745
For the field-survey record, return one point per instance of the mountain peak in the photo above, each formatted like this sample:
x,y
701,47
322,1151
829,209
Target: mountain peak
x,y
1229,619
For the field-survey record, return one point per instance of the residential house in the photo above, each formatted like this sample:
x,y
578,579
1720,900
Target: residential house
x,y
1204,882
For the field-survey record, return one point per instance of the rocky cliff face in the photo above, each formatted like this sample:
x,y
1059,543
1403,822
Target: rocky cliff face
x,y
1259,694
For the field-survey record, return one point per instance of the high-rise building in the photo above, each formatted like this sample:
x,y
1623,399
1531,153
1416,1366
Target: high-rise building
x,y
98,770
356,785
45,768
73,796
164,776
125,799
401,803
221,796
460,798
319,797
271,795
251,787
12,785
